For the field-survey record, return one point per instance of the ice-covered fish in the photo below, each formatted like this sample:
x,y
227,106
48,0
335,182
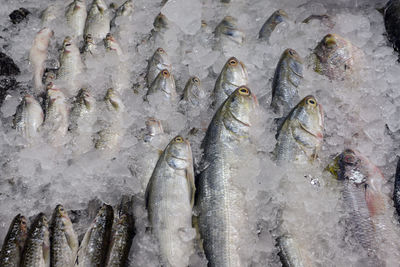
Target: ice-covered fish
x,y
157,63
218,198
112,45
229,30
169,201
94,246
299,138
233,75
64,241
194,91
392,22
37,247
164,82
28,117
38,55
76,17
125,10
11,252
98,20
89,47
287,78
153,128
49,14
269,26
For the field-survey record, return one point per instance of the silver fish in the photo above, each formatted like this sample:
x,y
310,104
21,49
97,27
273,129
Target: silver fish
x,y
269,26
76,17
165,83
98,20
157,63
194,91
28,117
229,30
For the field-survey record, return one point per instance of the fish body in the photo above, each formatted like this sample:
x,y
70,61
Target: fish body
x,y
28,117
94,246
159,61
64,241
287,78
37,247
233,75
194,91
269,26
98,20
299,138
169,198
165,83
219,202
76,17
11,252
38,55
392,22
229,30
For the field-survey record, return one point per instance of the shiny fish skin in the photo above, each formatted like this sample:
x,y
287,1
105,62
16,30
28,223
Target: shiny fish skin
x,y
11,252
287,78
299,139
94,246
64,241
28,117
194,91
218,200
164,82
76,17
392,22
98,20
269,26
233,75
37,247
169,201
228,29
159,61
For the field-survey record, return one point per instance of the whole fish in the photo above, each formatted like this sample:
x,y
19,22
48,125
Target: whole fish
x,y
194,91
221,214
37,246
336,58
28,117
112,45
38,55
157,63
299,138
269,26
164,82
94,246
392,22
64,241
11,252
76,17
98,20
287,78
169,201
57,115
229,30
233,75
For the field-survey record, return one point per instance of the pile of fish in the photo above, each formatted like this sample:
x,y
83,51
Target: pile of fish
x,y
195,208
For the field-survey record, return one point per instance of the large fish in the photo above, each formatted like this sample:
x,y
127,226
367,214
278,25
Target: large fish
x,y
11,252
170,194
219,201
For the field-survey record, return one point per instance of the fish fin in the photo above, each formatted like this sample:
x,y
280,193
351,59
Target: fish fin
x,y
195,224
375,201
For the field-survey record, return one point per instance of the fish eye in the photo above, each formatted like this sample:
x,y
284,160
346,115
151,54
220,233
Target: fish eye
x,y
178,139
349,159
61,209
244,91
195,80
165,73
160,50
292,52
233,62
311,102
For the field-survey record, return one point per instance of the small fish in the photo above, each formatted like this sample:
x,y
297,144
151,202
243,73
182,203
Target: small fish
x,y
287,78
269,26
194,91
391,14
228,29
38,56
37,246
157,63
300,137
112,45
89,47
169,201
11,252
165,83
233,75
76,17
28,117
94,246
64,241
98,20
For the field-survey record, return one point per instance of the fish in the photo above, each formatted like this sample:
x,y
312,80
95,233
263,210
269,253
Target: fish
x,y
161,23
57,115
165,83
94,246
64,240
76,17
98,20
153,128
269,26
229,30
396,191
38,56
125,10
336,58
122,235
13,245
89,47
233,75
37,246
292,253
159,61
169,201
300,137
194,91
287,78
112,45
49,14
28,117
218,200
391,15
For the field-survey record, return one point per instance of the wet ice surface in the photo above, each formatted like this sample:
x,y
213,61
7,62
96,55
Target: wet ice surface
x,y
37,177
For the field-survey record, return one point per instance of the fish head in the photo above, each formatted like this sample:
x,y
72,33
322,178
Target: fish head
x,y
166,83
46,32
348,165
113,100
19,229
42,221
241,104
235,72
310,116
154,127
331,47
281,15
161,59
105,213
160,22
69,46
196,87
100,5
179,153
291,53
86,98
